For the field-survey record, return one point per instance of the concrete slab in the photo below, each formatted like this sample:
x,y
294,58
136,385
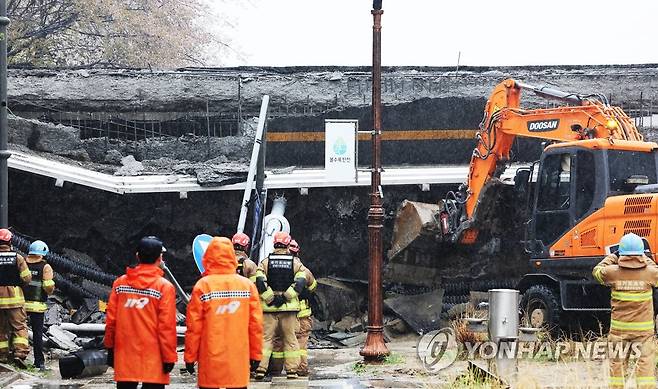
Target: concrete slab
x,y
420,311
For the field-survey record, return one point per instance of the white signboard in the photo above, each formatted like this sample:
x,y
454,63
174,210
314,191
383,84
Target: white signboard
x,y
340,149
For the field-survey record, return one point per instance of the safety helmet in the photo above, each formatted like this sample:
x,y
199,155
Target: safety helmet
x,y
38,247
240,241
293,246
5,235
282,238
631,244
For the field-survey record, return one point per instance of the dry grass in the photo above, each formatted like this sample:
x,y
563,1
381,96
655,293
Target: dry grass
x,y
464,335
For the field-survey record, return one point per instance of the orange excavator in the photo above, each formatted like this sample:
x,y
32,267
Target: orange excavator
x,y
594,182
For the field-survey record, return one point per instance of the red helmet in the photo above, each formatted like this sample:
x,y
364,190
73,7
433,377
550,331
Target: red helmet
x,y
5,235
240,239
282,238
293,246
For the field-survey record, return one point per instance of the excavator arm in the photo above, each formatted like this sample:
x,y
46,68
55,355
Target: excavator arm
x,y
591,117
457,218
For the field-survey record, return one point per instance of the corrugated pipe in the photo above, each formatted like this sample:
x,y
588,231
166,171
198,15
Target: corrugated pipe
x,y
71,289
67,265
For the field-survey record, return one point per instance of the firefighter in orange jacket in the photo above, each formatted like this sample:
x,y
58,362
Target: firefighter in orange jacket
x,y
224,322
14,274
140,327
631,276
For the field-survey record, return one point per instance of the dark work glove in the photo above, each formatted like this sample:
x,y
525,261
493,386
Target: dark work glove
x,y
305,295
189,367
254,364
279,300
167,367
110,357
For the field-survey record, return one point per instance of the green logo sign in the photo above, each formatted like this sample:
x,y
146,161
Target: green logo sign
x,y
340,147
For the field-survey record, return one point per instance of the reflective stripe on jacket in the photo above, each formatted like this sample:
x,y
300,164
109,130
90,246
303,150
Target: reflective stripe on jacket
x,y
224,321
141,325
292,298
12,296
41,286
311,285
631,279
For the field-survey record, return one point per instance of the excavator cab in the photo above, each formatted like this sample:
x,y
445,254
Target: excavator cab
x,y
575,180
587,195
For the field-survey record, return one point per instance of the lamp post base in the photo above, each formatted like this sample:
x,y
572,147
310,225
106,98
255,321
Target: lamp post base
x,y
374,350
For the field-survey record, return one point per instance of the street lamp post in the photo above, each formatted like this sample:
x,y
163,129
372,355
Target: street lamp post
x,y
375,349
4,153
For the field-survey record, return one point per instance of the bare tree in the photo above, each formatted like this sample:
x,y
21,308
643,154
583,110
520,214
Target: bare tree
x,y
127,33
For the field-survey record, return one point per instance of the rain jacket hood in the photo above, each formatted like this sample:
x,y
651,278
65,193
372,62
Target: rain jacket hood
x,y
143,275
632,261
224,321
219,257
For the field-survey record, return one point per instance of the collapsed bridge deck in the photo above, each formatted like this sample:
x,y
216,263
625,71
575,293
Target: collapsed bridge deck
x,y
299,178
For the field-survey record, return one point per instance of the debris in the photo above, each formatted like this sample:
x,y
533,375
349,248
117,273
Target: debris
x,y
420,311
62,339
285,170
55,314
354,340
395,326
130,167
113,157
320,325
47,137
339,336
84,313
330,291
348,324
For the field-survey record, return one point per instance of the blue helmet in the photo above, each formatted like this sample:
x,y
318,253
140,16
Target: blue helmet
x,y
38,248
631,244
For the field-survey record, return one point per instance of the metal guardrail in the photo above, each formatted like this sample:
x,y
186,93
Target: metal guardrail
x,y
300,179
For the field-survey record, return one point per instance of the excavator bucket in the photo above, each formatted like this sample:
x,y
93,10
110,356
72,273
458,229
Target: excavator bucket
x,y
414,222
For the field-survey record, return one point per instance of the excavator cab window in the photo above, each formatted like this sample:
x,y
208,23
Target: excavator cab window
x,y
585,182
552,214
567,191
555,183
624,165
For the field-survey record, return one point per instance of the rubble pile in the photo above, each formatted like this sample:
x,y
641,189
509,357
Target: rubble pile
x,y
214,161
58,341
340,316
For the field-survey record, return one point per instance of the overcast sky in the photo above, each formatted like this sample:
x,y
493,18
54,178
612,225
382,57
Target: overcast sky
x,y
433,32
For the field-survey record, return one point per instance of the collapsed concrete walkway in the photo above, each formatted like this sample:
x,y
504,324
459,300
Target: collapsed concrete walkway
x,y
284,179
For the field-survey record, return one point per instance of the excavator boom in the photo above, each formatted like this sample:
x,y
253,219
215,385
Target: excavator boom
x,y
580,117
